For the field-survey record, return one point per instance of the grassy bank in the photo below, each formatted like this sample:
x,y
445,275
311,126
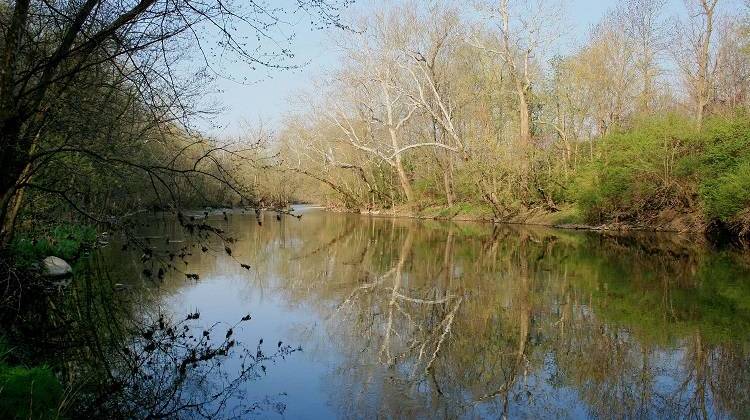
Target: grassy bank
x,y
27,392
28,389
659,174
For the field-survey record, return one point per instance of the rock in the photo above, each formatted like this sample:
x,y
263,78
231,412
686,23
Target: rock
x,y
56,267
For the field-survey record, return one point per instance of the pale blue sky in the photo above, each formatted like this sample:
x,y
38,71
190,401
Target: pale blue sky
x,y
271,95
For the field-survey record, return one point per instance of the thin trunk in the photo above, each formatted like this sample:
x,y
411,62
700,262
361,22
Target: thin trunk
x,y
524,119
647,89
448,182
9,206
8,65
393,129
703,62
403,179
12,189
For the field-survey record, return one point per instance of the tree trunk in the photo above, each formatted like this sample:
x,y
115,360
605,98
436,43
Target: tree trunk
x,y
524,119
702,88
15,168
524,127
647,89
448,180
448,188
11,204
403,179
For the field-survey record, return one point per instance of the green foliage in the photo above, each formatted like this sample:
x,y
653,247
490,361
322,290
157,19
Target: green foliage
x,y
724,167
427,189
663,163
728,194
27,393
635,170
568,214
63,241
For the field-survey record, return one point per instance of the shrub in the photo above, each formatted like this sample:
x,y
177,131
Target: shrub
x,y
635,171
724,167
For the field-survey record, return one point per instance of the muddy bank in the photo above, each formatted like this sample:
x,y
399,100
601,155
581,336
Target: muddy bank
x,y
567,218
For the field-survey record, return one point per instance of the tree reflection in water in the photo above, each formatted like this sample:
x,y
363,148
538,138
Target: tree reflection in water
x,y
426,319
466,320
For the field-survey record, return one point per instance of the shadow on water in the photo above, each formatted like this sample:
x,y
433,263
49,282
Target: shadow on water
x,y
406,318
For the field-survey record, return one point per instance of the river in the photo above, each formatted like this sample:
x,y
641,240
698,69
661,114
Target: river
x,y
401,318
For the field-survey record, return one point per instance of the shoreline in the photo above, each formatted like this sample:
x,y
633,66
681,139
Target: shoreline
x,y
532,221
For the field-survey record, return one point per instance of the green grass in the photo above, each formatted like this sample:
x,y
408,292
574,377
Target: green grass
x,y
27,393
64,241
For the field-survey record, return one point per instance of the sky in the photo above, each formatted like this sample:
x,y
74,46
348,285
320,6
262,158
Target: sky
x,y
270,94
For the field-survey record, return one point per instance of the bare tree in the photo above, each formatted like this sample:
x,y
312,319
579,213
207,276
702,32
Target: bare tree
x,y
379,101
732,82
525,30
697,58
646,28
52,52
432,52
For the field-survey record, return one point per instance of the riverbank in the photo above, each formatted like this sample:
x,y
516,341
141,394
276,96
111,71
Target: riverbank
x,y
567,217
658,174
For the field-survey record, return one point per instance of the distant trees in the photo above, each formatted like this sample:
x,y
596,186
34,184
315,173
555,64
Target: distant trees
x,y
96,84
440,107
696,56
391,85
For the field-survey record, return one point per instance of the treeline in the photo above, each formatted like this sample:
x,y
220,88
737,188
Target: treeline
x,y
98,102
98,105
490,111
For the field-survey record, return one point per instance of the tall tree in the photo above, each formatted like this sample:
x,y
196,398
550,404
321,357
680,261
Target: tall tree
x,y
525,30
696,57
51,50
646,29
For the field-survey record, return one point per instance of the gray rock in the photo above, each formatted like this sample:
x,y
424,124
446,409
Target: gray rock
x,y
56,267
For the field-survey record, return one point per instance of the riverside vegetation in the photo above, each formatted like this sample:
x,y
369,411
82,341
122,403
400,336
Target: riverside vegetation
x,y
98,103
434,111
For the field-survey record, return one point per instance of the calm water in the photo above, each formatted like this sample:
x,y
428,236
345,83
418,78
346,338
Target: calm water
x,y
401,318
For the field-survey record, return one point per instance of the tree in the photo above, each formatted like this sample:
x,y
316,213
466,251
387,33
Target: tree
x,y
382,89
646,29
732,82
607,67
53,55
431,60
696,57
525,30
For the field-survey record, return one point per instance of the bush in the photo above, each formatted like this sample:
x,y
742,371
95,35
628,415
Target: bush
x,y
724,167
635,171
662,164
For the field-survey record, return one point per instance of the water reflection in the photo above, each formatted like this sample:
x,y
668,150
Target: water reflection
x,y
405,318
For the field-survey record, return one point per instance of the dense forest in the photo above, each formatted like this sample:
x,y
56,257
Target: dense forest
x,y
433,109
440,110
